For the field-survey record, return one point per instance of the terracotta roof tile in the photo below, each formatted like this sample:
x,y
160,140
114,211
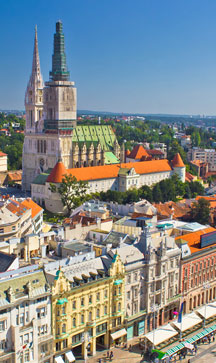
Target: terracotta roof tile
x,y
108,171
193,239
15,175
2,154
171,208
16,207
35,208
177,161
155,152
138,152
57,173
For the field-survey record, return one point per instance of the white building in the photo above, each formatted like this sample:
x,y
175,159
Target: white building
x,y
119,177
25,317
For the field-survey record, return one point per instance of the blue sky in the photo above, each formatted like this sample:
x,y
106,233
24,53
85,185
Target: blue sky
x,y
146,56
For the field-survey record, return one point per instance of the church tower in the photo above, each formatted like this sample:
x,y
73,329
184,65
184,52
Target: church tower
x,y
34,93
60,111
50,115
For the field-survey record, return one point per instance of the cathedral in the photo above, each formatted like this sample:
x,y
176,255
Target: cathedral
x,y
52,133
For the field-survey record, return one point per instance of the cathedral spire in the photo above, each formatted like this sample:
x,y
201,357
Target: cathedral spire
x,y
59,67
36,73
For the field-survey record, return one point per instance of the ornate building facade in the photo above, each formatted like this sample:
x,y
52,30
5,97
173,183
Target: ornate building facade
x,y
51,130
87,306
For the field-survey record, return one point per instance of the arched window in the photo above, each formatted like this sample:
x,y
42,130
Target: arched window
x,y
74,322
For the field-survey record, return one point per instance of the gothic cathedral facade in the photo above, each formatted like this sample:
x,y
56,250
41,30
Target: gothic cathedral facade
x,y
51,132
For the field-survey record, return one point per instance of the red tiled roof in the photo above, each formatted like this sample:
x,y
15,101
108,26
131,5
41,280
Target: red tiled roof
x,y
193,239
155,152
35,208
171,208
138,152
189,177
108,171
57,173
177,161
15,175
16,207
2,154
198,162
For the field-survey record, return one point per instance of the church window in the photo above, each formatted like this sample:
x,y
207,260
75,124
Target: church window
x,y
31,118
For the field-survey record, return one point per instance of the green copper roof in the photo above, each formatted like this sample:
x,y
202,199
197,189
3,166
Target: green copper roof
x,y
57,275
124,171
41,178
59,67
118,282
62,301
102,134
110,158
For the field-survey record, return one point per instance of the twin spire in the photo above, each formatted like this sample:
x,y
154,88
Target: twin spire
x,y
59,67
36,72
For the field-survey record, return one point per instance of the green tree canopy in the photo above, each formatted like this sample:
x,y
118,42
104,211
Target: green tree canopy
x,y
72,191
201,211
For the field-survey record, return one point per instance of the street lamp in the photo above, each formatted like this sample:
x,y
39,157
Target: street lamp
x,y
154,308
205,286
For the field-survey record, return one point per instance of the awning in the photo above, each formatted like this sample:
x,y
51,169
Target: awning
x,y
161,334
59,359
118,334
175,349
188,321
70,357
207,311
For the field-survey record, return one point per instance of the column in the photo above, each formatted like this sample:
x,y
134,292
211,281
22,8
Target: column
x,y
93,346
106,340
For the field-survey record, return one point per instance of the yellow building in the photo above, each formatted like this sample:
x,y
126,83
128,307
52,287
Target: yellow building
x,y
88,306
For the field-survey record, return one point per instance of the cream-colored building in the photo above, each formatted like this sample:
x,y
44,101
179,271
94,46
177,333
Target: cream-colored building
x,y
3,162
87,306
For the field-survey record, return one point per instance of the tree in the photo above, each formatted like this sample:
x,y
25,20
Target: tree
x,y
174,149
196,188
195,138
145,192
72,191
156,192
201,211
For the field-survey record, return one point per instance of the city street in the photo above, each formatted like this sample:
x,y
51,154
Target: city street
x,y
206,353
